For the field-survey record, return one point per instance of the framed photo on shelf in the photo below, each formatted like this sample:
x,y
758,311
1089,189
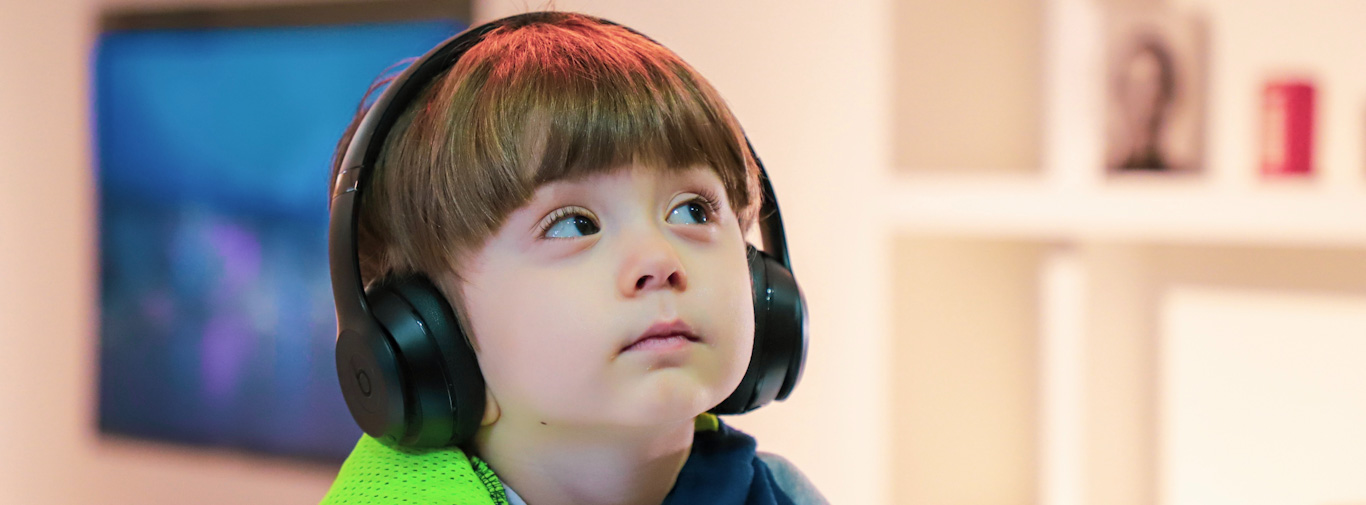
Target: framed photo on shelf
x,y
1154,91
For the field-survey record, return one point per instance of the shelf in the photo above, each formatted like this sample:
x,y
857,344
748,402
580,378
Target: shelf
x,y
1182,212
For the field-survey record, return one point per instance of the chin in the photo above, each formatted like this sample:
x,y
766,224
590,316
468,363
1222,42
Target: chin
x,y
671,396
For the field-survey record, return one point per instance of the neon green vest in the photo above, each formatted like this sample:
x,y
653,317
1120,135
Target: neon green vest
x,y
376,474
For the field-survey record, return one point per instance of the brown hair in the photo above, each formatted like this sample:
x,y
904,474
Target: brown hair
x,y
553,96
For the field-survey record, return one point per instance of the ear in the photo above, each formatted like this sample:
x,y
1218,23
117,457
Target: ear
x,y
491,410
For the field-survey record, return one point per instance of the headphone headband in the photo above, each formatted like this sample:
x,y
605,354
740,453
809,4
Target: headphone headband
x,y
361,156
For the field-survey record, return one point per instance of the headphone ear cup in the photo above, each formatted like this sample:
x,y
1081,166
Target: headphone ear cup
x,y
464,381
779,355
440,387
372,382
787,324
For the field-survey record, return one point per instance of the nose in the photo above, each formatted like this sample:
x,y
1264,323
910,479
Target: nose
x,y
651,265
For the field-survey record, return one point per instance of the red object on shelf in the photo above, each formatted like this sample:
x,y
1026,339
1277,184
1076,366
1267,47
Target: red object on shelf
x,y
1288,128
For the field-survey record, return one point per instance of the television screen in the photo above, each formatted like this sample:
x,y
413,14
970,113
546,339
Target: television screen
x,y
212,160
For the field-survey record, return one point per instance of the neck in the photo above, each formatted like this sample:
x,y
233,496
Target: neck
x,y
552,465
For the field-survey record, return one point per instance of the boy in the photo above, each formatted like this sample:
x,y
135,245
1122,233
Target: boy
x,y
579,195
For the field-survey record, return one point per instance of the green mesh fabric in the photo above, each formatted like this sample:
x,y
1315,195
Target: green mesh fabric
x,y
375,474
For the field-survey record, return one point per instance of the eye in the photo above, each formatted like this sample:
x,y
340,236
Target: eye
x,y
699,210
568,223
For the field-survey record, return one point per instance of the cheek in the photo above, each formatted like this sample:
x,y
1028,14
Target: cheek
x,y
732,310
528,323
729,297
744,298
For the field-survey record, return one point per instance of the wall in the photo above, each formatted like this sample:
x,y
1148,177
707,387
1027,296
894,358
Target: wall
x,y
965,377
45,361
952,112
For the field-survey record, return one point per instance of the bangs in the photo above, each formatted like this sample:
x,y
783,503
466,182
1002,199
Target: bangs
x,y
582,116
559,97
561,101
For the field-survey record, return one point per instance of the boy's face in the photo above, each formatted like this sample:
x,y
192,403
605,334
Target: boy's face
x,y
572,279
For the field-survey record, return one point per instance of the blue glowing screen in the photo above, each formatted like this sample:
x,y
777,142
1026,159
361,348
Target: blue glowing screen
x,y
212,159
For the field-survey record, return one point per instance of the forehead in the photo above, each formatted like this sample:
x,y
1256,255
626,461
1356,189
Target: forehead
x,y
634,177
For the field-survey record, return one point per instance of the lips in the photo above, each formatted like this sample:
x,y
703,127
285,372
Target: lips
x,y
662,335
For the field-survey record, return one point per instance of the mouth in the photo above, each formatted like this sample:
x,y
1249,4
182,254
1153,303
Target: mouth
x,y
664,335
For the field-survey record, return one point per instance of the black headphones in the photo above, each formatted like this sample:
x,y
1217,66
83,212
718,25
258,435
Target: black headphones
x,y
406,370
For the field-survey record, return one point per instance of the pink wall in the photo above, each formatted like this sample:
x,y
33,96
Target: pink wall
x,y
50,452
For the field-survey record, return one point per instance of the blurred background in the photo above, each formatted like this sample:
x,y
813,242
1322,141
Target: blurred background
x,y
1058,252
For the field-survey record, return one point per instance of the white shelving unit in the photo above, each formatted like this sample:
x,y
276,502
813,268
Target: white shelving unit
x,y
1110,258
1023,208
